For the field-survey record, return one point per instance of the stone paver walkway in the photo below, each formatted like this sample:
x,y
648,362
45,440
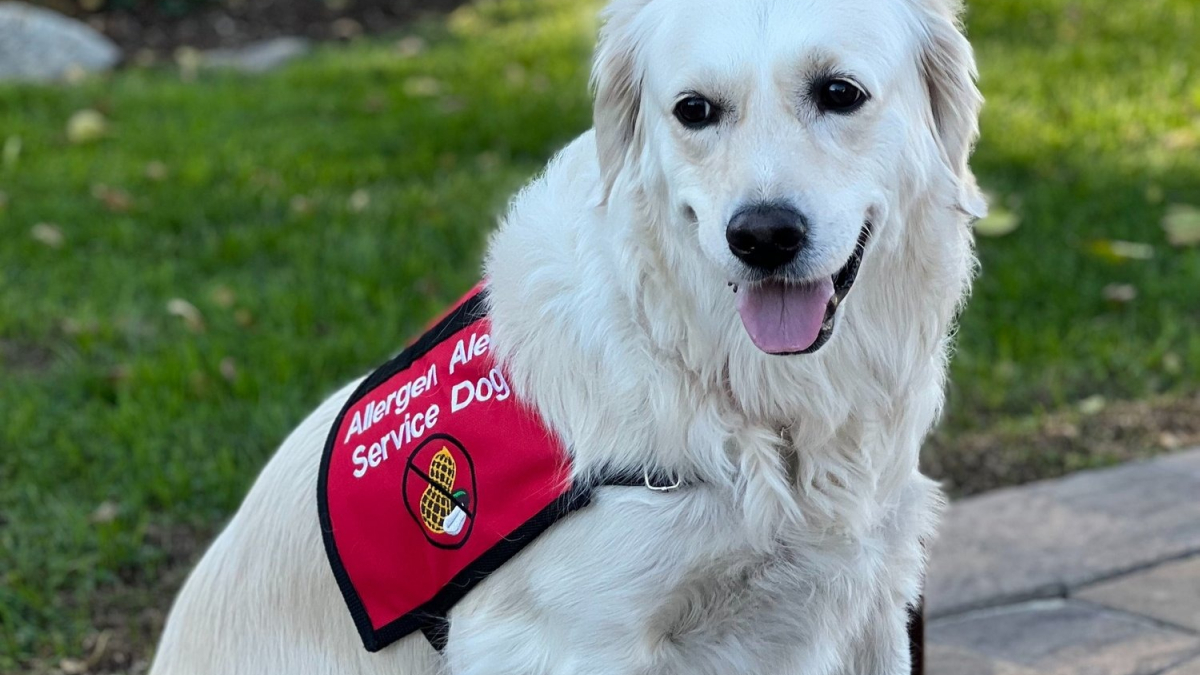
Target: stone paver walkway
x,y
1094,574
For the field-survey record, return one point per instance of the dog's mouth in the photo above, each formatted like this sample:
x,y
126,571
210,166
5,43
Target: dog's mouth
x,y
787,317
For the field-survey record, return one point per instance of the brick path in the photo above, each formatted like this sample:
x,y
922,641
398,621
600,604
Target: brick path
x,y
1094,574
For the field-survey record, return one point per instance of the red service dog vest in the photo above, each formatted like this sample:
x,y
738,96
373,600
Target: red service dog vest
x,y
435,474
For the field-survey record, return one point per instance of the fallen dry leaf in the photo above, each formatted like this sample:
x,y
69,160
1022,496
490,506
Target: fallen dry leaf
x,y
1120,293
359,201
99,648
228,368
1182,224
73,666
86,126
410,46
156,171
997,223
223,296
243,318
188,312
105,513
1119,251
422,86
72,326
1092,405
48,234
301,205
116,201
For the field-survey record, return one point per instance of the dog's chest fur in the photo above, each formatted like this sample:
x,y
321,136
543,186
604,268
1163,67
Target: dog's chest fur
x,y
649,583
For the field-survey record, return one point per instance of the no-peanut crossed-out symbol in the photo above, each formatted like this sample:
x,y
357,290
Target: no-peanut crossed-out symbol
x,y
440,491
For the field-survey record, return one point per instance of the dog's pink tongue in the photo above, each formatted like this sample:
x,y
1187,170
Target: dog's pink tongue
x,y
784,318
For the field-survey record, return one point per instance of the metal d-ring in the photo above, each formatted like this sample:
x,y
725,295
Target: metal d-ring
x,y
657,488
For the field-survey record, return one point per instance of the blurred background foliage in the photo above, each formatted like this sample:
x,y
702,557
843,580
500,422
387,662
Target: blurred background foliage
x,y
193,259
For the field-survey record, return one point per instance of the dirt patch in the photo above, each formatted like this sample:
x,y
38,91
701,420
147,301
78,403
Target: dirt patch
x,y
158,27
1058,444
127,617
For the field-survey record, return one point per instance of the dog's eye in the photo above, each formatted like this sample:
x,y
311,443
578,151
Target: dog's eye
x,y
841,96
696,112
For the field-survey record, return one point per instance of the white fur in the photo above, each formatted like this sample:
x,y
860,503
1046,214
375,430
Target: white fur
x,y
799,545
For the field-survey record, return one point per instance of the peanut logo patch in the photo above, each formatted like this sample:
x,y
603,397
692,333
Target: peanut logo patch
x,y
440,491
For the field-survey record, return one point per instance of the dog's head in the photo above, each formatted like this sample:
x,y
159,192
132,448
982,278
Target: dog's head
x,y
775,136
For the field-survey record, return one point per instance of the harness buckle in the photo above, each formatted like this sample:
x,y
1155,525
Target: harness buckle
x,y
660,488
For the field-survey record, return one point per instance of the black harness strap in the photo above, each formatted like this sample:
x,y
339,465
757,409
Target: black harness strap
x,y
437,626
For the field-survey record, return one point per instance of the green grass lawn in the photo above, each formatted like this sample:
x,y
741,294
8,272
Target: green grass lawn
x,y
176,295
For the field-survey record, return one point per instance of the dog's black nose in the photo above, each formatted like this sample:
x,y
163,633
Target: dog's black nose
x,y
767,236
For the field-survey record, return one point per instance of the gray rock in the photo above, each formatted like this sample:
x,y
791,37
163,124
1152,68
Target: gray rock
x,y
1055,637
259,57
1045,539
1169,593
38,45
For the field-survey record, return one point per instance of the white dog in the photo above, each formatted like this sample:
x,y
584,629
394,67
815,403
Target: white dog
x,y
745,278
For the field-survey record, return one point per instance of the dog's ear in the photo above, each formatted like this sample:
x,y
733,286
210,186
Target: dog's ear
x,y
617,85
948,66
